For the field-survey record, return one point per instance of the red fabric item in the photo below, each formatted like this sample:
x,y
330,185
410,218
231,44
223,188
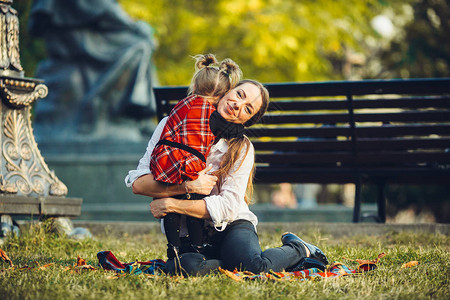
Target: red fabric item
x,y
188,124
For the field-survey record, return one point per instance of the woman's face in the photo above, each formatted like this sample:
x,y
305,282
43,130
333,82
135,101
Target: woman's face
x,y
240,103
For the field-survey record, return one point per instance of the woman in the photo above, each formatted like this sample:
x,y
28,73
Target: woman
x,y
234,241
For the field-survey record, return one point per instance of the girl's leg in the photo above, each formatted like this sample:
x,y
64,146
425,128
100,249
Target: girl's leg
x,y
192,264
172,229
195,229
240,249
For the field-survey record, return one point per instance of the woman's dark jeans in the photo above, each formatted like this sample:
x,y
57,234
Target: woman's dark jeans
x,y
239,248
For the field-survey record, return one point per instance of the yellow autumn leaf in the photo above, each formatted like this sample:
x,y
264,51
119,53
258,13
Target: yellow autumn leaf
x,y
410,264
5,258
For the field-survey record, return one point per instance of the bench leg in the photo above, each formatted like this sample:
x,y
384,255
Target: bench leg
x,y
357,206
381,203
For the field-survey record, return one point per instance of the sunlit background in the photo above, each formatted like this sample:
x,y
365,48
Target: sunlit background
x,y
290,40
295,41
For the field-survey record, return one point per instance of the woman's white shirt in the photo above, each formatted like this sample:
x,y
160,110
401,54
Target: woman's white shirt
x,y
224,206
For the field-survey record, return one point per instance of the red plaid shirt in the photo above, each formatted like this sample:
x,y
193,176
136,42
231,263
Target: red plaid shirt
x,y
188,124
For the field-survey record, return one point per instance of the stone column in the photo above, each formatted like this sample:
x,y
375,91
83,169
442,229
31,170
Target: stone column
x,y
27,185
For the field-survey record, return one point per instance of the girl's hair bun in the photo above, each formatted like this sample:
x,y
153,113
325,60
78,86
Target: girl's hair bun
x,y
232,70
204,60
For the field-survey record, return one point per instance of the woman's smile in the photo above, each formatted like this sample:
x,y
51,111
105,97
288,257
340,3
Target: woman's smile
x,y
240,104
230,110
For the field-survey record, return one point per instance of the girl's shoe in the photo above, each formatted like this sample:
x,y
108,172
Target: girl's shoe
x,y
307,263
316,253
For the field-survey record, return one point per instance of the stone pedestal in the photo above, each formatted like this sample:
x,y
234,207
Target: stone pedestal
x,y
27,185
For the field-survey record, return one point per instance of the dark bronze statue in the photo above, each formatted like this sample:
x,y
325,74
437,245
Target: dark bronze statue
x,y
98,72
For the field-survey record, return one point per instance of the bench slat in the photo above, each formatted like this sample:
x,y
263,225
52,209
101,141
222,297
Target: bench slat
x,y
361,144
363,158
317,132
349,175
332,118
404,102
426,86
321,132
403,130
308,105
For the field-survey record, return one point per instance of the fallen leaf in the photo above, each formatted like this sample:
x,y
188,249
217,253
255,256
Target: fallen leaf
x,y
82,265
85,267
5,258
80,262
367,264
46,266
410,264
366,261
230,274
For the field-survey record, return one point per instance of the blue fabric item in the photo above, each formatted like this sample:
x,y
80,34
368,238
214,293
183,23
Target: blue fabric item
x,y
108,261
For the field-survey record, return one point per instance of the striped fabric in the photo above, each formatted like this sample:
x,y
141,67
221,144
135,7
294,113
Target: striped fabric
x,y
334,271
108,261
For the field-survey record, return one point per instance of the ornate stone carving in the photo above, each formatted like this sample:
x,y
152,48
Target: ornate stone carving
x,y
20,93
9,38
23,169
26,172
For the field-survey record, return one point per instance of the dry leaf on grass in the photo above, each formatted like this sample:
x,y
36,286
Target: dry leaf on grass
x,y
80,262
366,261
367,264
230,274
5,258
80,265
410,264
45,266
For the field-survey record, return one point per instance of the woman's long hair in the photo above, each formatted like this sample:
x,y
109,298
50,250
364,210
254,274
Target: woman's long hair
x,y
237,145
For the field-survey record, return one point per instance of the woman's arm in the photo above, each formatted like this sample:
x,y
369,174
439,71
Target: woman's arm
x,y
147,186
193,208
221,207
143,167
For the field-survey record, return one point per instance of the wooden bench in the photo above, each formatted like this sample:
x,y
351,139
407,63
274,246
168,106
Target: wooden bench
x,y
362,132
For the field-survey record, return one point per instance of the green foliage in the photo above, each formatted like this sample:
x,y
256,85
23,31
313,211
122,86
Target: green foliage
x,y
282,41
423,47
272,40
428,280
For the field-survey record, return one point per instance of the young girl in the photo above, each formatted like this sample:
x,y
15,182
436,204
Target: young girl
x,y
191,128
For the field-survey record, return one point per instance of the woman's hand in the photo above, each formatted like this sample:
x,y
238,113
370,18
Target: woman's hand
x,y
194,208
159,207
204,184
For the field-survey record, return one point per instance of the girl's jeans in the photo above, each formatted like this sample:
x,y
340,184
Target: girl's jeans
x,y
238,248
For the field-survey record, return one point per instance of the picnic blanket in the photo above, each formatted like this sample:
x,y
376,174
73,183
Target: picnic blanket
x,y
334,270
155,267
108,261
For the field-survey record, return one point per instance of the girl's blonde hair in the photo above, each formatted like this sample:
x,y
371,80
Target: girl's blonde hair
x,y
237,145
213,79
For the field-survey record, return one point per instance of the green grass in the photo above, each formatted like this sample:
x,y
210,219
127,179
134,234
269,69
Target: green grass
x,y
428,280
